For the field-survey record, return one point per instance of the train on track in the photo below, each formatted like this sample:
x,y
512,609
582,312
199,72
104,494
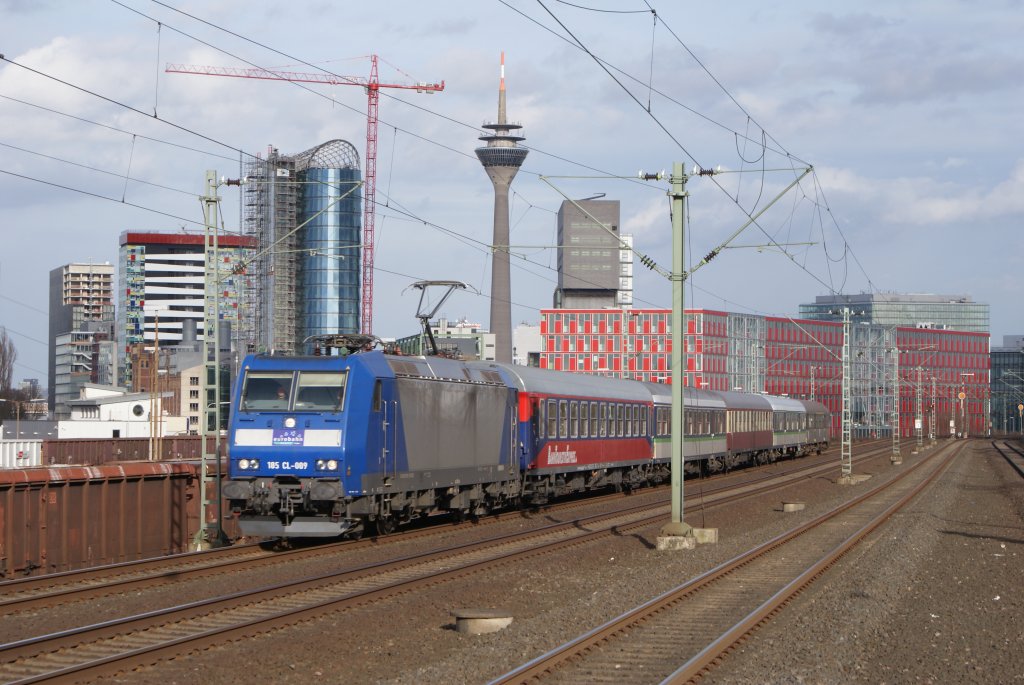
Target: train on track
x,y
324,445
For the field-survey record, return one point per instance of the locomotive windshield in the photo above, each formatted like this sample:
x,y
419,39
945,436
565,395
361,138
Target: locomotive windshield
x,y
313,391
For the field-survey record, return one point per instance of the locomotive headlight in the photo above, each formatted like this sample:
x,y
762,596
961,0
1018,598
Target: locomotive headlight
x,y
326,465
243,464
248,464
332,465
289,422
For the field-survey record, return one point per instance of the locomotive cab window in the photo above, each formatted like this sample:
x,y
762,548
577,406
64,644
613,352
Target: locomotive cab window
x,y
320,391
266,390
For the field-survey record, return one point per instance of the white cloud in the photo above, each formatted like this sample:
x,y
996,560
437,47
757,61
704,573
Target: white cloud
x,y
921,201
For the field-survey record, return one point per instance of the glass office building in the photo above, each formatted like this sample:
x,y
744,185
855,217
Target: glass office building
x,y
329,271
944,312
1008,385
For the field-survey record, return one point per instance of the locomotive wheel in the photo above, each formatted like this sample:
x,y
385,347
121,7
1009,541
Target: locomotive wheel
x,y
385,525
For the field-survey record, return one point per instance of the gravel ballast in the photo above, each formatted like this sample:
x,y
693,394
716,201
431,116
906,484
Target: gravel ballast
x,y
932,597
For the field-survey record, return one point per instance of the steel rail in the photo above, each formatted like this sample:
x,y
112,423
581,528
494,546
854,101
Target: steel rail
x,y
554,663
1017,462
702,662
59,647
37,592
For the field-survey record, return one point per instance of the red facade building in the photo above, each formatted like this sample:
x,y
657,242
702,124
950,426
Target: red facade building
x,y
785,356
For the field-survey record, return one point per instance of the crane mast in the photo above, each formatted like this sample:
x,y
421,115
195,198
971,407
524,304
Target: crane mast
x,y
372,86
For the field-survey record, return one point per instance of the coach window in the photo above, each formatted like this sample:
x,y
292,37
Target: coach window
x,y
552,418
593,419
636,420
563,419
602,423
643,421
574,419
620,420
584,419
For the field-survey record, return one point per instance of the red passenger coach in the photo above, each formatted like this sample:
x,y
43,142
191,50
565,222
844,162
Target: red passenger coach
x,y
580,422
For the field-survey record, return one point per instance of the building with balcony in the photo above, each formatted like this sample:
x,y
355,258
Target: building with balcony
x,y
81,316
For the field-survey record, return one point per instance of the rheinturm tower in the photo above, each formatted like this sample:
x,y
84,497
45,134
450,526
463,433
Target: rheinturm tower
x,y
501,158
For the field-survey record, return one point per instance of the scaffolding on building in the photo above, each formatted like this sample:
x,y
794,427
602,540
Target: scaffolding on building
x,y
271,215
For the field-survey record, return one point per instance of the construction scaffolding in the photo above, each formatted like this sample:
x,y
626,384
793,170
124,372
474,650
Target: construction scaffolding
x,y
271,198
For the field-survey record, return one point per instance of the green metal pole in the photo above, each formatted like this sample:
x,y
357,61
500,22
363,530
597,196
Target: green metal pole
x,y
678,278
210,533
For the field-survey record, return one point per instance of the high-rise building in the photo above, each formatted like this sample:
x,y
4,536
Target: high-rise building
x,y
501,159
161,287
305,212
81,305
952,312
595,264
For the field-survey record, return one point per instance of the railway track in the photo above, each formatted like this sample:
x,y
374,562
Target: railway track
x,y
123,644
1012,454
679,636
39,592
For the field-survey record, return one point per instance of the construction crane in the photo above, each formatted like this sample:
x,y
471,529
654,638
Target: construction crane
x,y
372,86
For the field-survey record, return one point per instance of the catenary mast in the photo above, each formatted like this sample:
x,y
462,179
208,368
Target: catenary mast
x,y
501,158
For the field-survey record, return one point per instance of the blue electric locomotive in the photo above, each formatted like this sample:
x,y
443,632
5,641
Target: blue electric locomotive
x,y
332,445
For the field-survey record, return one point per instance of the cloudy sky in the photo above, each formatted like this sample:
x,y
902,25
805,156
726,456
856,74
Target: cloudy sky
x,y
910,114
